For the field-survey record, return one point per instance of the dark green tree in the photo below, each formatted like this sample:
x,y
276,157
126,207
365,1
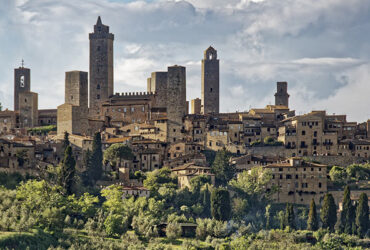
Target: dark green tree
x,y
116,152
222,168
347,217
328,213
313,220
65,141
220,204
362,215
96,169
67,171
206,202
289,216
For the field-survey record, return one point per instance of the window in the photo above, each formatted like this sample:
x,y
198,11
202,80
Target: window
x,y
280,169
124,110
320,185
281,176
98,86
98,97
296,176
132,109
303,132
311,169
288,176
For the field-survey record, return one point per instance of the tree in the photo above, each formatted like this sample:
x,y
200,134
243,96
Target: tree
x,y
206,202
220,204
312,222
67,171
268,216
222,168
115,225
328,212
173,230
347,217
96,169
338,174
289,219
362,215
116,152
160,178
65,141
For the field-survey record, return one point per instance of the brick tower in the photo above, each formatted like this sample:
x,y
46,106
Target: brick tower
x,y
210,82
101,66
22,83
281,95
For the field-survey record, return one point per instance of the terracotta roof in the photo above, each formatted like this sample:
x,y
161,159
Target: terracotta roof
x,y
117,140
189,165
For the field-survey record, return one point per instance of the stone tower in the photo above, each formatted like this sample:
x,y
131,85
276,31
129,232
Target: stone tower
x,y
281,95
158,83
73,114
76,88
176,101
28,109
210,82
101,66
22,83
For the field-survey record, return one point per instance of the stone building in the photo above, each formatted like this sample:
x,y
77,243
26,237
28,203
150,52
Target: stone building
x,y
306,135
298,181
22,83
101,66
28,109
157,84
176,102
281,95
73,114
196,106
188,171
210,82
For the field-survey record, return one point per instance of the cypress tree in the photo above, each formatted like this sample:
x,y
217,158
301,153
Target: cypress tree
x,y
221,167
362,215
65,141
289,219
206,202
96,168
347,217
312,221
67,171
328,212
220,204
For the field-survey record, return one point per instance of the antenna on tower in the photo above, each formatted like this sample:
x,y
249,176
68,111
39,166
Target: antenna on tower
x,y
22,63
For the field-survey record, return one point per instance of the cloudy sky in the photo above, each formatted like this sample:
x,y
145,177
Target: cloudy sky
x,y
321,48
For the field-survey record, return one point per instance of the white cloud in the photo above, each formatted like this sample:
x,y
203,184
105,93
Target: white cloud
x,y
320,47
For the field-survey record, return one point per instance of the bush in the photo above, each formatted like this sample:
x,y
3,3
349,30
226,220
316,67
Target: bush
x,y
115,225
173,230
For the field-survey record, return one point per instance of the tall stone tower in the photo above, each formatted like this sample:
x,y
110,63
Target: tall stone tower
x,y
158,83
210,82
101,66
72,115
176,101
281,95
22,83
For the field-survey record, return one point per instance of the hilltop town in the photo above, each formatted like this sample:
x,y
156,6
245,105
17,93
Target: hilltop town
x,y
163,130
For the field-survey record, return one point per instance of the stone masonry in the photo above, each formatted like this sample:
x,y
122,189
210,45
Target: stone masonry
x,y
210,82
101,66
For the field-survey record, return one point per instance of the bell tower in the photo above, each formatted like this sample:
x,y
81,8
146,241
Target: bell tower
x,y
22,83
101,66
210,82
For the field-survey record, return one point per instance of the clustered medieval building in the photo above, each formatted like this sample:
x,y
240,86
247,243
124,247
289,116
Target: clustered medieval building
x,y
161,132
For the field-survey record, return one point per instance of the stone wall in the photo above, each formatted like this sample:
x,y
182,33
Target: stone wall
x,y
210,82
28,106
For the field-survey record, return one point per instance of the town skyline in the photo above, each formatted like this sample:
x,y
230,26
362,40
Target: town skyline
x,y
134,61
